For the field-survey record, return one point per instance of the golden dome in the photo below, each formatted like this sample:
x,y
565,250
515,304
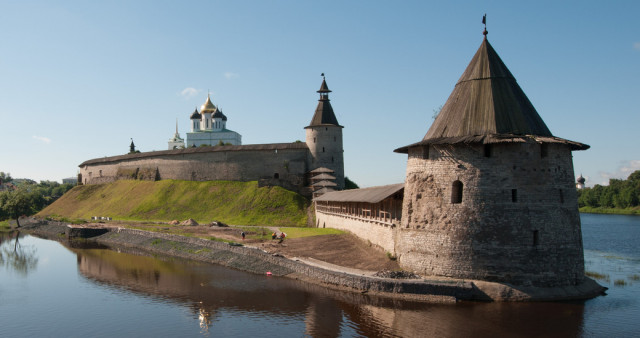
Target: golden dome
x,y
207,107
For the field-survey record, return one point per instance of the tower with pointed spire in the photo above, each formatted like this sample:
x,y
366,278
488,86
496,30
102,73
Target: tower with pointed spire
x,y
176,142
324,137
209,127
489,191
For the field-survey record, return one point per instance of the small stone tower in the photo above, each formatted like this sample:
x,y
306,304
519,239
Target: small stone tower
x,y
324,138
489,191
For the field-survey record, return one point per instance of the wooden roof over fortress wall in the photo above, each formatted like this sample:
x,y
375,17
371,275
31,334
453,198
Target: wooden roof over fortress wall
x,y
194,150
366,195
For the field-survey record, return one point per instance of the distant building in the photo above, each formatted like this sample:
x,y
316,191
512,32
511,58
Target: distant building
x,y
176,142
209,127
70,180
580,182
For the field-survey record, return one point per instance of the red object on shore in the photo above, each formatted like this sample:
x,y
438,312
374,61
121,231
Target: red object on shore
x,y
268,273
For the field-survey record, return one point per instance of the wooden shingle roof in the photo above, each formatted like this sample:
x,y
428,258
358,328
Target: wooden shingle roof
x,y
367,195
487,105
323,176
324,114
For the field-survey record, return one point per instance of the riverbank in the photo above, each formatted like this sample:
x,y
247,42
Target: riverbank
x,y
611,211
256,260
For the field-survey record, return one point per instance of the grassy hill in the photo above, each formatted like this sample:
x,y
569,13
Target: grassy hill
x,y
166,200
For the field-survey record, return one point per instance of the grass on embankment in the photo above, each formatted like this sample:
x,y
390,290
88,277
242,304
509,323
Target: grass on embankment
x,y
166,200
308,232
627,211
4,226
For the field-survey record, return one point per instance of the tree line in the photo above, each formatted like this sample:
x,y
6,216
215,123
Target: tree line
x,y
26,197
619,194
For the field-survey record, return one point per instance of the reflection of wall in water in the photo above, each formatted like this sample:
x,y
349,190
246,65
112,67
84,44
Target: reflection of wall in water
x,y
208,289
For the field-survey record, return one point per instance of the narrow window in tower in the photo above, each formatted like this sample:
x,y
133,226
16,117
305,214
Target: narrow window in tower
x,y
544,150
561,195
323,149
276,176
514,195
487,150
314,140
456,192
425,152
535,238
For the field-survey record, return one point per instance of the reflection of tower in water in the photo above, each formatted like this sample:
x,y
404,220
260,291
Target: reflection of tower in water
x,y
322,317
211,293
204,317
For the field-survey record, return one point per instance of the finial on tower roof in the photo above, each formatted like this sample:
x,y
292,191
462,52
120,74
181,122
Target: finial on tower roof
x,y
322,75
484,21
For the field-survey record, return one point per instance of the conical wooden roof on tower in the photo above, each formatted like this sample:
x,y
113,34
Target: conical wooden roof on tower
x,y
488,106
324,114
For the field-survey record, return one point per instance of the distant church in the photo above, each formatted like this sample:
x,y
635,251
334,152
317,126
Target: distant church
x,y
208,128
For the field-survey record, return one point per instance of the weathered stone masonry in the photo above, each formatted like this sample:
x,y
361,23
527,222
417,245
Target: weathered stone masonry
x,y
282,164
515,222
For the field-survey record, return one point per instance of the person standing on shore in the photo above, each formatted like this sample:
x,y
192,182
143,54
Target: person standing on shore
x,y
242,234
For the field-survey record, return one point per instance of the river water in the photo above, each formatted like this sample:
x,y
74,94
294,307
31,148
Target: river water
x,y
47,289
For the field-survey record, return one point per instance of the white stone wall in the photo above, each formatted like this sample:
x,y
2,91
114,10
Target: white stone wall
x,y
378,233
212,138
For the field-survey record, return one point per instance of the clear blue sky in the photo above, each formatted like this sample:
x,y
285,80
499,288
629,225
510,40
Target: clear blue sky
x,y
78,79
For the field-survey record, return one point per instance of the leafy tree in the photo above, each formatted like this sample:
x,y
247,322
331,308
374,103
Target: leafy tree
x,y
5,177
30,198
620,194
349,184
17,204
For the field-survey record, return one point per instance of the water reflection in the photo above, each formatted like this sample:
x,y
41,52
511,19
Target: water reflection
x,y
213,292
19,258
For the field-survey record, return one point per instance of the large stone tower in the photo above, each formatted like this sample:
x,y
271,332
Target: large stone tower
x,y
489,191
324,137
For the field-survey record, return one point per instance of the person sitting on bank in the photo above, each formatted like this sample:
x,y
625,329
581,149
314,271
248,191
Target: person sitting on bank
x,y
274,236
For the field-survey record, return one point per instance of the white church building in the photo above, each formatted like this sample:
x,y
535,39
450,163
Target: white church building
x,y
208,127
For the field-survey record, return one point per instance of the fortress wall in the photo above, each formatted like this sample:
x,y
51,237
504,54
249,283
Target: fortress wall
x,y
250,165
532,235
381,235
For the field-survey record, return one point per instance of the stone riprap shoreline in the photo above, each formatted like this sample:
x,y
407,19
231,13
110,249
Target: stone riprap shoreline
x,y
257,261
